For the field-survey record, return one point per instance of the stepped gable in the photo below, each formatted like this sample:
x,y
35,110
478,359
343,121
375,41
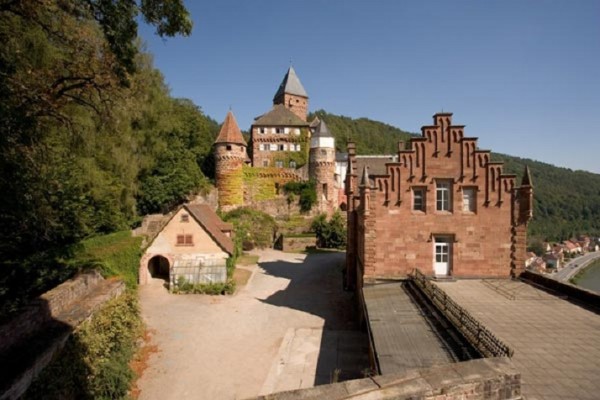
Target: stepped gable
x,y
290,85
279,116
230,131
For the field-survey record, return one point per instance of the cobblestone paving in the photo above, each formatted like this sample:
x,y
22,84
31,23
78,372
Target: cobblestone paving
x,y
556,343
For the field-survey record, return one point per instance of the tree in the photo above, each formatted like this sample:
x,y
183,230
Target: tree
x,y
330,234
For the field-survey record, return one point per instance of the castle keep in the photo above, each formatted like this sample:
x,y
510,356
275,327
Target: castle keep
x,y
443,207
283,147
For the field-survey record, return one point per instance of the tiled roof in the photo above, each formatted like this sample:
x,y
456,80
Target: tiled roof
x,y
290,85
212,224
230,131
279,116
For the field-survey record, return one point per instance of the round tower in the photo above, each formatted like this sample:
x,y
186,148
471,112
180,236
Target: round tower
x,y
230,155
321,167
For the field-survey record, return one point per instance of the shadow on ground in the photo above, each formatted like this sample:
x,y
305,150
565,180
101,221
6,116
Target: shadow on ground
x,y
315,287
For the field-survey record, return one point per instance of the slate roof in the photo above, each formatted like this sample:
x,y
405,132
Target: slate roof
x,y
376,164
279,116
290,85
230,131
321,130
212,224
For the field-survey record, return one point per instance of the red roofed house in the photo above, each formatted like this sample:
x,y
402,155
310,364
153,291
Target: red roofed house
x,y
194,244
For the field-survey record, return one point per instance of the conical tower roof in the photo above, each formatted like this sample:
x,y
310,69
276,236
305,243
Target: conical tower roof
x,y
230,131
322,130
290,85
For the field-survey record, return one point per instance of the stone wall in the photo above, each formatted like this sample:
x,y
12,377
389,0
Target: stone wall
x,y
487,240
295,243
31,339
490,379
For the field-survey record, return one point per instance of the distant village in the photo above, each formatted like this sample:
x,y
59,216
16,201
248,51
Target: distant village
x,y
555,255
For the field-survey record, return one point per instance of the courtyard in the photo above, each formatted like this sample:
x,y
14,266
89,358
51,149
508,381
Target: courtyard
x,y
291,326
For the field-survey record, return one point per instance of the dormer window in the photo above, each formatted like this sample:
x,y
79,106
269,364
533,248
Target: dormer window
x,y
185,218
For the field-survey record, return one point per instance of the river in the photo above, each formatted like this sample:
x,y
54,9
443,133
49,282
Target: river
x,y
590,277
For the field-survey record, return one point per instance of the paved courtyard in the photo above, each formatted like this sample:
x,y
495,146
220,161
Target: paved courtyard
x,y
290,327
556,343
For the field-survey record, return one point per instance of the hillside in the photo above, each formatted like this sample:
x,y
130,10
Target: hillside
x,y
567,202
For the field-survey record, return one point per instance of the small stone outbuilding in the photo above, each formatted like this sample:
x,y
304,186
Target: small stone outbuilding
x,y
193,245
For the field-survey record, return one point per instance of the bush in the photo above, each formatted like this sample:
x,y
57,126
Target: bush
x,y
305,191
95,361
252,228
330,234
185,287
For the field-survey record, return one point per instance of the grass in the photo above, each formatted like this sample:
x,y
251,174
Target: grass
x,y
115,255
582,272
247,259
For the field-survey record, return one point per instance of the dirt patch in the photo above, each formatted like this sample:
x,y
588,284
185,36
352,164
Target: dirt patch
x,y
140,362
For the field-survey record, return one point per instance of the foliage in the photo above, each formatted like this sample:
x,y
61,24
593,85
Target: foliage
x,y
305,191
114,255
331,234
215,288
89,132
95,361
253,228
566,202
371,137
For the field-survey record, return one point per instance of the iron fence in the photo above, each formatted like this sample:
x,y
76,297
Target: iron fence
x,y
476,334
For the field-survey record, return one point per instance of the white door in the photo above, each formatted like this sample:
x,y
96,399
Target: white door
x,y
441,263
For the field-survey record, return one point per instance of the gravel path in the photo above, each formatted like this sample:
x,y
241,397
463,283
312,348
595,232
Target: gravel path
x,y
289,327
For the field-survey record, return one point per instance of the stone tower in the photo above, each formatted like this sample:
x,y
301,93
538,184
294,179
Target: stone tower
x,y
321,167
292,95
230,154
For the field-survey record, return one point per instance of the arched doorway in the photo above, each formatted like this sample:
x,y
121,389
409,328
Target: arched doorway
x,y
158,266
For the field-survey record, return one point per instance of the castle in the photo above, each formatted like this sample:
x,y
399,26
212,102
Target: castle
x,y
284,147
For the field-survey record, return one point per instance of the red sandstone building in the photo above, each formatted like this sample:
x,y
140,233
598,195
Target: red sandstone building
x,y
441,206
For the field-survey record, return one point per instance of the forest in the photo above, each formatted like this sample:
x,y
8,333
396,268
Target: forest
x,y
90,138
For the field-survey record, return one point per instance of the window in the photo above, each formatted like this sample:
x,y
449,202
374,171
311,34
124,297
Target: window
x,y
185,240
443,199
262,130
278,130
469,199
298,147
419,199
273,147
292,164
282,147
279,164
286,131
185,218
296,131
228,147
265,163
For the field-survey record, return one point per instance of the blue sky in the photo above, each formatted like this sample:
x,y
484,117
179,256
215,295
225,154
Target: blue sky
x,y
522,75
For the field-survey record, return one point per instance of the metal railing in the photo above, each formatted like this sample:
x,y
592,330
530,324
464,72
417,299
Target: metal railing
x,y
474,332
